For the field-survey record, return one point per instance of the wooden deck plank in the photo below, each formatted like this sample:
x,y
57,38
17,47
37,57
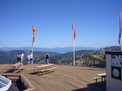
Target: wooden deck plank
x,y
65,78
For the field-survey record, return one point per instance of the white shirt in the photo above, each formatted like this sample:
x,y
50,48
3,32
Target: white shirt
x,y
31,56
28,57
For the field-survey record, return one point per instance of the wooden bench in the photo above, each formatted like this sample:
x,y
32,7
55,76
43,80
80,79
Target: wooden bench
x,y
47,70
102,75
20,69
96,78
15,67
9,68
53,69
34,69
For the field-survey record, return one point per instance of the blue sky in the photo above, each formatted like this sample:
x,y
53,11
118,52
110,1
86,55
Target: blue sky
x,y
96,22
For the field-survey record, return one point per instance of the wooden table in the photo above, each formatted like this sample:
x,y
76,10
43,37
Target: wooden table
x,y
103,75
16,66
43,67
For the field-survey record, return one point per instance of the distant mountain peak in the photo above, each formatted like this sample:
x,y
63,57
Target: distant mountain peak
x,y
56,49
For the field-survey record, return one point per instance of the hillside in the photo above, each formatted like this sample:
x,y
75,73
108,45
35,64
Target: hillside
x,y
26,52
69,54
7,56
83,57
95,58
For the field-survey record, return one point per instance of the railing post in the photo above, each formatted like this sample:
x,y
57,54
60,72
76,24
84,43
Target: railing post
x,y
10,60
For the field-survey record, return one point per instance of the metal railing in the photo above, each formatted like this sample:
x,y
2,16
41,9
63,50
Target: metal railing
x,y
10,60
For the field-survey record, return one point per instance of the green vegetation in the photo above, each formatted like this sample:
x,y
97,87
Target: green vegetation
x,y
83,58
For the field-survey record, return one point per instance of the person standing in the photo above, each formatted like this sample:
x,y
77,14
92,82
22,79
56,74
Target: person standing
x,y
18,58
31,58
22,56
47,58
28,59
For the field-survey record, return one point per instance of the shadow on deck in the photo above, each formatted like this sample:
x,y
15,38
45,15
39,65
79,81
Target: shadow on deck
x,y
99,86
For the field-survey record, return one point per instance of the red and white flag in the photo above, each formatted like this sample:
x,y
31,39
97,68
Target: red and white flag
x,y
73,29
33,31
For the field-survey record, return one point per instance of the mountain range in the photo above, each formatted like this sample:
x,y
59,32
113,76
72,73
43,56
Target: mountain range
x,y
10,56
57,49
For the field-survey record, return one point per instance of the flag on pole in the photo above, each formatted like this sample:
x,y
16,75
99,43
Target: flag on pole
x,y
73,42
74,34
73,29
120,31
33,31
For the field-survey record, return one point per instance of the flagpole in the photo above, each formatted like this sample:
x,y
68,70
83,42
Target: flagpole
x,y
73,43
120,30
32,41
33,31
32,49
73,51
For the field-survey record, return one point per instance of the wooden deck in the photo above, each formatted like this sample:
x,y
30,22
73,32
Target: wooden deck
x,y
65,78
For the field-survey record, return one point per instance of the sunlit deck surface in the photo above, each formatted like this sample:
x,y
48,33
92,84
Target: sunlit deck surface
x,y
65,78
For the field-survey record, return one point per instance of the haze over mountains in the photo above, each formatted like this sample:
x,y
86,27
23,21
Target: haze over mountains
x,y
57,49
